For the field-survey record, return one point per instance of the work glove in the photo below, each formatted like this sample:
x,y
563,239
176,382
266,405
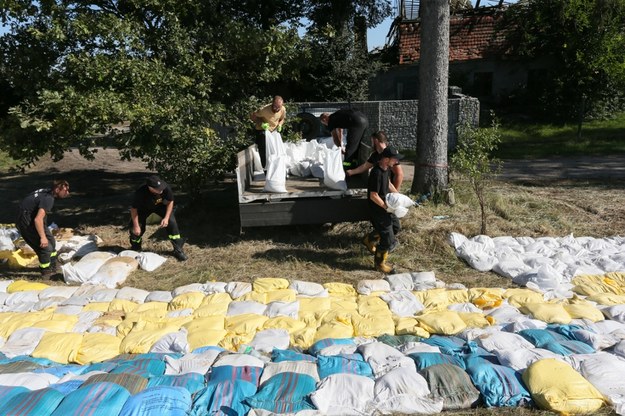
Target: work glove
x,y
280,128
265,126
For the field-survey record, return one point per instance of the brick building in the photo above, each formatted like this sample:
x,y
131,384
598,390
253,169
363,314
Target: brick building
x,y
478,61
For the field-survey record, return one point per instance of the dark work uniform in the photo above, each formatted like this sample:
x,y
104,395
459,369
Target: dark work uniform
x,y
375,158
356,123
41,198
146,203
386,224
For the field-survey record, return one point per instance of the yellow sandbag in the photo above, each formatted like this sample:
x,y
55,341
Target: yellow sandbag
x,y
486,298
152,314
268,284
96,307
410,326
589,285
140,342
212,337
233,342
213,304
122,305
287,323
21,320
583,311
18,258
57,323
61,348
556,386
97,347
373,305
303,338
254,296
172,324
313,304
153,308
441,298
552,313
519,297
281,295
339,327
372,325
442,322
343,303
607,299
246,323
189,300
336,288
206,323
23,286
476,319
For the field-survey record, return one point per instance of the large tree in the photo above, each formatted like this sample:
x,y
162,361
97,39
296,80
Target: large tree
x,y
175,71
431,167
585,42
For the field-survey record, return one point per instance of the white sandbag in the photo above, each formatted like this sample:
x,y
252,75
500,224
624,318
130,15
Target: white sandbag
x,y
505,313
266,340
398,204
619,349
103,295
150,261
114,272
333,172
257,163
615,313
132,294
190,288
26,296
192,362
20,307
383,358
412,347
81,271
544,278
85,321
274,147
477,255
308,288
239,360
22,342
500,340
129,253
30,380
316,170
366,287
4,284
605,372
159,296
424,280
308,368
338,349
510,267
215,287
404,391
275,181
456,240
402,303
174,342
520,359
57,292
77,247
343,394
238,289
248,306
400,281
277,308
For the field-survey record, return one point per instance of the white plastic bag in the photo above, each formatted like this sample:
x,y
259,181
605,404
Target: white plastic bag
x,y
333,173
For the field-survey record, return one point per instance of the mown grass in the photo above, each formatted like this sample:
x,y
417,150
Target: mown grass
x,y
539,140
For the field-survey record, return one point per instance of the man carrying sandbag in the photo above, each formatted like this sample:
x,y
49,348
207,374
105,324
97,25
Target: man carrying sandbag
x,y
356,123
33,227
155,197
385,223
268,118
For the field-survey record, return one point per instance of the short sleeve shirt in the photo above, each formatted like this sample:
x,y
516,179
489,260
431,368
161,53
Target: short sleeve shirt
x,y
378,182
146,200
39,199
268,116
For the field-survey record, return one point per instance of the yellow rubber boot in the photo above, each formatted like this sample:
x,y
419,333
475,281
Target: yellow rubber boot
x,y
380,262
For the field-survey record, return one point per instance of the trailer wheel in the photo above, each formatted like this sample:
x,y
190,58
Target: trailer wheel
x,y
308,125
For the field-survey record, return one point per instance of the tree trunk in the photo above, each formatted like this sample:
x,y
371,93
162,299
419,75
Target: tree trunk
x,y
431,166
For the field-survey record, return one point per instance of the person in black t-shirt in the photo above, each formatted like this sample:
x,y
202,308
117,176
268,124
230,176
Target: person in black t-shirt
x,y
33,227
155,197
386,224
356,123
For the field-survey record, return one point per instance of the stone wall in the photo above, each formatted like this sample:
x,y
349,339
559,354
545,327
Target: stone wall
x,y
398,118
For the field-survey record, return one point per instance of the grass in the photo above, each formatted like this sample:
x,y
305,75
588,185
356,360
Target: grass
x,y
540,140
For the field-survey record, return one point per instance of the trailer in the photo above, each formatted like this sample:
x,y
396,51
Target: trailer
x,y
307,200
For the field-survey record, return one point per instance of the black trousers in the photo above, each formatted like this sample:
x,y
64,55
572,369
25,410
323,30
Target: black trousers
x,y
259,139
355,134
388,226
160,210
31,236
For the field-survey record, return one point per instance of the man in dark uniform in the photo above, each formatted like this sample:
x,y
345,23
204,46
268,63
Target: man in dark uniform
x,y
386,224
33,226
356,123
155,197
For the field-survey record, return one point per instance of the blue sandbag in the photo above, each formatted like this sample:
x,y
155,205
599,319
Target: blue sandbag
x,y
97,399
247,373
192,382
500,386
6,392
67,387
569,347
62,370
278,355
328,342
159,400
284,393
144,367
37,402
226,397
348,363
426,359
205,348
540,337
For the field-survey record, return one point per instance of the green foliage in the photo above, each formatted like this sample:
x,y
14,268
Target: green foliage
x,y
584,42
473,159
183,74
